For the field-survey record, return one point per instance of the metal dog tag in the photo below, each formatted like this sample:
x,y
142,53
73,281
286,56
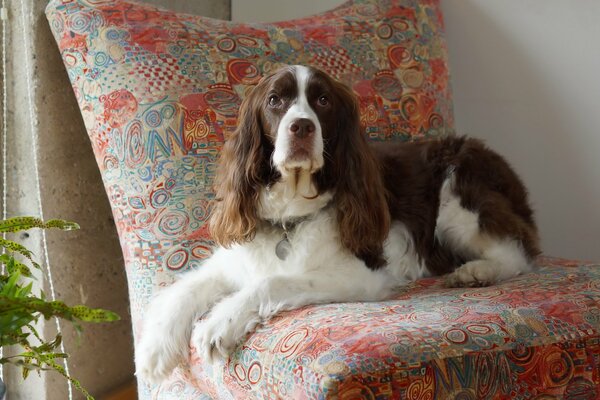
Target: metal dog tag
x,y
283,248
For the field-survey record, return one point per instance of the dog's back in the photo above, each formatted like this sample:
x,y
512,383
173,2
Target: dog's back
x,y
454,194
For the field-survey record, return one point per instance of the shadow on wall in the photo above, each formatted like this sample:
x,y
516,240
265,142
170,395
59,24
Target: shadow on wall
x,y
517,87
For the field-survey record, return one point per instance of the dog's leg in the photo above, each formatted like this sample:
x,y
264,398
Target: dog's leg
x,y
235,316
494,258
170,316
498,262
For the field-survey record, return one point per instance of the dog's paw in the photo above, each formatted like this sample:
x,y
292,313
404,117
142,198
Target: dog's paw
x,y
155,360
475,273
217,336
212,341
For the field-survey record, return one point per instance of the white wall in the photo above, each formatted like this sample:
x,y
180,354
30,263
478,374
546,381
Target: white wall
x,y
524,74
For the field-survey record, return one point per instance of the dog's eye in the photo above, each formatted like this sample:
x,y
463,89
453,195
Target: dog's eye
x,y
274,100
323,101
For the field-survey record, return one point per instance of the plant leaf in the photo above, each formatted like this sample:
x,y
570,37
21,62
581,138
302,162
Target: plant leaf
x,y
17,224
87,314
62,225
53,308
19,248
20,309
75,382
13,266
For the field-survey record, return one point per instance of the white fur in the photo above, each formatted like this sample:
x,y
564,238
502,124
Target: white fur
x,y
494,259
456,226
285,200
168,323
243,286
403,264
247,284
239,288
300,109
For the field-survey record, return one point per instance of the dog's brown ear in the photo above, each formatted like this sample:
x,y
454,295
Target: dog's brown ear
x,y
363,215
237,183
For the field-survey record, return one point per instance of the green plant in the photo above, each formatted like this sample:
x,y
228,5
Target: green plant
x,y
20,308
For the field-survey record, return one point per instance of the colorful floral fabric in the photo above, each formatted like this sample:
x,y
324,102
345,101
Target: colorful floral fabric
x,y
159,93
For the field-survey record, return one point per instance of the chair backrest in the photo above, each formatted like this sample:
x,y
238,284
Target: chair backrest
x,y
159,93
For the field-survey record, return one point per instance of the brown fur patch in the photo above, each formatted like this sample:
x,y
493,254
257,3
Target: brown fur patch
x,y
414,173
373,184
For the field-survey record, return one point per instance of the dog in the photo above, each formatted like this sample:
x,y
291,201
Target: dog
x,y
308,212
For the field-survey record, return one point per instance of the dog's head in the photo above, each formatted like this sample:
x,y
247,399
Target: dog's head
x,y
300,121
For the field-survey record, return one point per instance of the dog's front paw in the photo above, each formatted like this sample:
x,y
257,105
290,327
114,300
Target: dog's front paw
x,y
218,335
213,339
155,359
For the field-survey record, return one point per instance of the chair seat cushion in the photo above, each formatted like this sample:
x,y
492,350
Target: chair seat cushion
x,y
535,335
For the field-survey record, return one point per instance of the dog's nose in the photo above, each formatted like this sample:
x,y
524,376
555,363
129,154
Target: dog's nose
x,y
302,128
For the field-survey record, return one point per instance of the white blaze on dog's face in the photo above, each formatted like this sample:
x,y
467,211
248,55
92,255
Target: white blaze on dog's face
x,y
299,118
298,100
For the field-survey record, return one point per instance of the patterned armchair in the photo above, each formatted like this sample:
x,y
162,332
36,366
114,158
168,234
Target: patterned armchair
x,y
159,94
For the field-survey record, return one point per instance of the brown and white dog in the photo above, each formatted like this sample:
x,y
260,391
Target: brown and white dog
x,y
308,212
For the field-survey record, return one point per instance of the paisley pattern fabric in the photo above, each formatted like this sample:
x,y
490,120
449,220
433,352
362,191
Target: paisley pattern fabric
x,y
536,336
159,94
